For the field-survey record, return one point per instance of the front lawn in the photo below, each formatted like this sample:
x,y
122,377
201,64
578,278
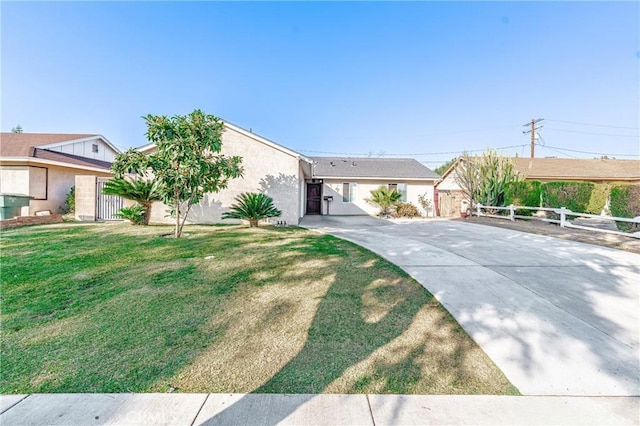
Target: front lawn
x,y
115,308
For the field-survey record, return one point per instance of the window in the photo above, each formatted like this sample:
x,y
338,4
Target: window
x,y
349,192
401,188
94,147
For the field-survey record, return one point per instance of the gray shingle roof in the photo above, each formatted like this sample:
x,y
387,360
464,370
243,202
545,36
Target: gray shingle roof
x,y
383,168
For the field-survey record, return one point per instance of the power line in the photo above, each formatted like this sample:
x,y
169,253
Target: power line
x,y
590,133
592,153
408,154
594,125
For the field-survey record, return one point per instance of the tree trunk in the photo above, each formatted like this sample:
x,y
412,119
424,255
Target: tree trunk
x,y
176,194
147,213
253,223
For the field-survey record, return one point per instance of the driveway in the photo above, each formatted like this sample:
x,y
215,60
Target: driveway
x,y
558,317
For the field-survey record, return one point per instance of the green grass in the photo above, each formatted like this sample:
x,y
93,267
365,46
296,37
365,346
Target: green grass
x,y
116,308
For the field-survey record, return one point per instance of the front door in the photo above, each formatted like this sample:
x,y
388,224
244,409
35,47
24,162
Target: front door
x,y
314,198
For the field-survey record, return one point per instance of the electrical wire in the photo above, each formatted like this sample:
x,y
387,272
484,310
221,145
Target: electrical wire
x,y
594,125
590,133
420,154
592,153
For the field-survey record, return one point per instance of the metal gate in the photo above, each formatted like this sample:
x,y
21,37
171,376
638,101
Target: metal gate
x,y
106,205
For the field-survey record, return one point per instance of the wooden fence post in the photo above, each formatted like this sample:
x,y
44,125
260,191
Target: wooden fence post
x,y
563,217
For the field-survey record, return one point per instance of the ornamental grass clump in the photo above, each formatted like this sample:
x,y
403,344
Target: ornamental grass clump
x,y
253,207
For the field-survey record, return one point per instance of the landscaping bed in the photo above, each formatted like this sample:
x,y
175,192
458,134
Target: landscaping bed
x,y
116,308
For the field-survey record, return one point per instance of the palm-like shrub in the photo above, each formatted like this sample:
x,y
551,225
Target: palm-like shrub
x,y
385,199
134,214
142,191
253,207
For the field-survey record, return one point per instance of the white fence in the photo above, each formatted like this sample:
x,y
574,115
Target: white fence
x,y
564,214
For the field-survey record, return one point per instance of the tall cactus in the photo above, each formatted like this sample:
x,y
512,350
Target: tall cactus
x,y
485,178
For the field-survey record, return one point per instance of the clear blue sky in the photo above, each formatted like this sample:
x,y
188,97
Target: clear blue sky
x,y
366,77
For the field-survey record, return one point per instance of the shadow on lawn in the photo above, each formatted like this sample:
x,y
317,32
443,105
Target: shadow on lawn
x,y
338,338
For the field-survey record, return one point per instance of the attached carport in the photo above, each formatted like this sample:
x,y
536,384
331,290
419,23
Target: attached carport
x,y
558,317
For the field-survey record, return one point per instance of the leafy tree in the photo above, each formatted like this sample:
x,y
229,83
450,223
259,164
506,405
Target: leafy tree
x,y
484,179
187,162
253,207
143,191
444,167
385,199
17,129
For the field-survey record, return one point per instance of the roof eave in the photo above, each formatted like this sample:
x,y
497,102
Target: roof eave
x,y
31,160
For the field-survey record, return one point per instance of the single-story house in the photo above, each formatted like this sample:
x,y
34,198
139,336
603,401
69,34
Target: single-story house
x,y
44,165
298,183
349,182
544,170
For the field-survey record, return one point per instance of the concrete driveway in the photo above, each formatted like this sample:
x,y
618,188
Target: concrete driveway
x,y
558,317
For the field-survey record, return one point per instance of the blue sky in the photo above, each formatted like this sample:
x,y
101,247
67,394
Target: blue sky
x,y
426,79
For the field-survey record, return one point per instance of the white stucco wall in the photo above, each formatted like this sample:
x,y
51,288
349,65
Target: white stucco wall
x,y
266,169
333,187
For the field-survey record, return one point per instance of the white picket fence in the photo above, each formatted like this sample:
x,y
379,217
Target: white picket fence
x,y
564,221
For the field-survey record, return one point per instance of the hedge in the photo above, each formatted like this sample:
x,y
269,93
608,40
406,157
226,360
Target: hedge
x,y
598,199
526,193
625,202
573,195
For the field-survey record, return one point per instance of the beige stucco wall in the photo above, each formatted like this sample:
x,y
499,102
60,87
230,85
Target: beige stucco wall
x,y
14,180
333,187
85,198
449,183
49,184
266,169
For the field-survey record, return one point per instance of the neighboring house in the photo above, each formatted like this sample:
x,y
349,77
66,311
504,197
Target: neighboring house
x,y
544,170
44,165
297,184
349,181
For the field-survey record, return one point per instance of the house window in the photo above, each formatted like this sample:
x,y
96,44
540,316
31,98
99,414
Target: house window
x,y
401,188
94,147
349,192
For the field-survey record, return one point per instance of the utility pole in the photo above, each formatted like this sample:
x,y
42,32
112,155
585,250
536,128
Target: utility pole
x,y
533,132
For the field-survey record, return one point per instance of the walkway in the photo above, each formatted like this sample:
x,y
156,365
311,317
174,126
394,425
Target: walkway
x,y
325,409
558,317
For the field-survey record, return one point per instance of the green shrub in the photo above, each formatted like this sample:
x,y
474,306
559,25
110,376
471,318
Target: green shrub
x,y
140,190
134,214
406,210
69,202
573,195
527,193
598,199
252,207
385,198
625,202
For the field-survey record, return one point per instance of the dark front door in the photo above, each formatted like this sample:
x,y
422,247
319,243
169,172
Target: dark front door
x,y
314,199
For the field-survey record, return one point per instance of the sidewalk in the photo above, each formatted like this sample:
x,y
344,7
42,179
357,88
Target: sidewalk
x,y
324,409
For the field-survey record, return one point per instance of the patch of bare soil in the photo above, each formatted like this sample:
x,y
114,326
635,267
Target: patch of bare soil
x,y
619,242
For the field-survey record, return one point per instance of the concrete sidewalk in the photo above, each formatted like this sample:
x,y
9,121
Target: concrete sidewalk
x,y
325,409
557,317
